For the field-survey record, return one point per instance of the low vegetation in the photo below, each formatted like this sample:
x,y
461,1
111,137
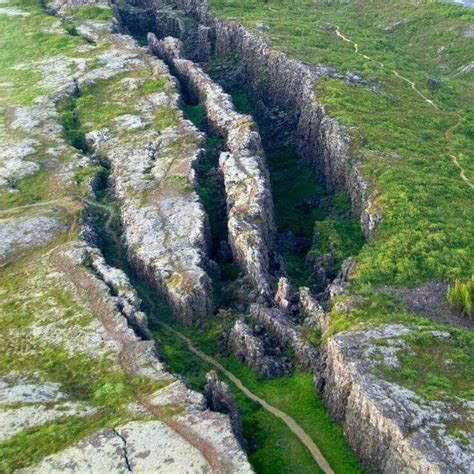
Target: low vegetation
x,y
461,296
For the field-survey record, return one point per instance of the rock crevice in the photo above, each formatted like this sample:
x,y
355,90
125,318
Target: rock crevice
x,y
250,219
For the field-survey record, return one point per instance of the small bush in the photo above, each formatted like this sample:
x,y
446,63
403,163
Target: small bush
x,y
460,296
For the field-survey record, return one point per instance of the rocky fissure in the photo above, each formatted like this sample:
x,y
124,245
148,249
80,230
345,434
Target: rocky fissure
x,y
157,232
281,92
247,186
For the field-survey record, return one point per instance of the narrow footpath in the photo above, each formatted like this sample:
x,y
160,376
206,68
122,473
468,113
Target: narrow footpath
x,y
448,134
288,420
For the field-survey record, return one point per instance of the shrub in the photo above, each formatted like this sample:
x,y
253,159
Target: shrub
x,y
460,296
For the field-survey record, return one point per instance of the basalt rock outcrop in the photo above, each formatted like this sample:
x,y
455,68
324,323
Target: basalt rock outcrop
x,y
376,414
78,352
219,398
257,349
247,184
392,428
279,87
281,326
311,310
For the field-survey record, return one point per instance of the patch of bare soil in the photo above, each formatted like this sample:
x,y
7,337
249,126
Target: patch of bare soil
x,y
429,300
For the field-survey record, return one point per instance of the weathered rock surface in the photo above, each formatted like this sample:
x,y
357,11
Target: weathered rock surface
x,y
257,350
219,398
284,294
281,326
18,234
246,179
165,227
392,428
76,342
311,310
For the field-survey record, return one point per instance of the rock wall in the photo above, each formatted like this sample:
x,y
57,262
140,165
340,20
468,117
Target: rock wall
x,y
220,399
285,330
391,428
257,350
166,230
84,316
273,81
246,179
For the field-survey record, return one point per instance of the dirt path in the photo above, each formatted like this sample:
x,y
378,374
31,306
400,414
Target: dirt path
x,y
448,133
288,420
30,206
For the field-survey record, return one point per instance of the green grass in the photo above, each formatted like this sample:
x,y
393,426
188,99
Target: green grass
x,y
30,297
461,297
341,238
274,447
438,369
27,295
398,141
91,12
297,199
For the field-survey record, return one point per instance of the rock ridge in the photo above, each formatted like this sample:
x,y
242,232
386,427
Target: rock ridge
x,y
250,223
274,82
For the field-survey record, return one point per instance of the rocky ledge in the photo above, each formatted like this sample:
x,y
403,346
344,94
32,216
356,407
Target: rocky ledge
x,y
246,179
165,227
82,388
392,428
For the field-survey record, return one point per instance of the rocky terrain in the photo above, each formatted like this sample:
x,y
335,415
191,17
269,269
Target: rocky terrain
x,y
109,120
82,385
273,81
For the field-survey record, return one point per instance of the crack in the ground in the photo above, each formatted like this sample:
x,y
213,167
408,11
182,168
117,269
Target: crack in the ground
x,y
125,451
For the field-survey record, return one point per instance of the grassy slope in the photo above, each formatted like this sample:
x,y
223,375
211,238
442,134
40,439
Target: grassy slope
x,y
423,200
398,139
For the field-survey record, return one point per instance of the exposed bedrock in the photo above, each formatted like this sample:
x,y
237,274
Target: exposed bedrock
x,y
281,326
220,399
275,83
312,311
165,226
256,348
392,428
250,223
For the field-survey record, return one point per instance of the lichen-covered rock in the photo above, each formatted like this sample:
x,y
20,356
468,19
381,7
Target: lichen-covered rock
x,y
72,324
276,83
18,234
390,427
284,294
286,331
312,312
219,398
246,179
257,352
165,227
